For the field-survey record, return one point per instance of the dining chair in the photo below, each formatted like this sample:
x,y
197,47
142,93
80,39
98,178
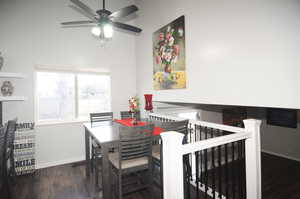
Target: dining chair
x,y
134,158
100,117
96,119
178,126
125,114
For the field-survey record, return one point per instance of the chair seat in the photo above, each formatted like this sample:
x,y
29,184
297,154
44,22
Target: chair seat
x,y
156,151
127,164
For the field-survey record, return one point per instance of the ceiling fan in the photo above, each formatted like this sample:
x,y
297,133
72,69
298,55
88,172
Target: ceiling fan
x,y
102,20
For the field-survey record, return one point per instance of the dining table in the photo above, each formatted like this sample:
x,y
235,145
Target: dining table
x,y
107,135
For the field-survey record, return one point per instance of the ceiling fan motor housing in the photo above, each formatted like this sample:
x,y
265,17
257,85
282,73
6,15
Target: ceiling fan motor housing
x,y
103,12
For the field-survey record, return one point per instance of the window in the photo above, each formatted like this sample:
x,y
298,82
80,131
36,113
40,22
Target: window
x,y
63,96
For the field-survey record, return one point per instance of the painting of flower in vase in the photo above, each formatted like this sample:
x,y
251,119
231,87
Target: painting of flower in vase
x,y
169,56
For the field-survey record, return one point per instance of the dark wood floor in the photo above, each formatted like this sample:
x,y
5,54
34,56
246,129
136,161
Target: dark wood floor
x,y
61,182
280,180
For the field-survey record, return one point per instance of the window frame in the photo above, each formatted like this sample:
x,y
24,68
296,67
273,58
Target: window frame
x,y
77,119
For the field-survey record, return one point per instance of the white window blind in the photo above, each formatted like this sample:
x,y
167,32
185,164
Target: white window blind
x,y
69,96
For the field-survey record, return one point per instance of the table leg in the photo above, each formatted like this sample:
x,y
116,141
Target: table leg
x,y
106,181
87,153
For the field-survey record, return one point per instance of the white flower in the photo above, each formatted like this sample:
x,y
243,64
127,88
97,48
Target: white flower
x,y
168,28
171,41
175,58
180,32
162,49
168,56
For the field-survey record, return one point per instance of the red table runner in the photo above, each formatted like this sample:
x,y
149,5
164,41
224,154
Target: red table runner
x,y
127,122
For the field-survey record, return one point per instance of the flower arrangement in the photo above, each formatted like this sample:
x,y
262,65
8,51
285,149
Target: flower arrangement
x,y
134,104
167,49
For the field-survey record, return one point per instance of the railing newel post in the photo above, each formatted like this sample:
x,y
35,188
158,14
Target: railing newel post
x,y
172,165
253,159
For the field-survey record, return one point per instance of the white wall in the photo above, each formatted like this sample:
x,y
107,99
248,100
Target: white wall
x,y
31,35
237,52
278,140
281,141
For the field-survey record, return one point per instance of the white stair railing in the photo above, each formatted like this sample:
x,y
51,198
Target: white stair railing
x,y
173,151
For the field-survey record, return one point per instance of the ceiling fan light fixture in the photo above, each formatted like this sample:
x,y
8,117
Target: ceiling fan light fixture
x,y
108,31
103,21
96,31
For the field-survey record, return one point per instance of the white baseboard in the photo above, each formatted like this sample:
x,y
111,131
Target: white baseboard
x,y
280,155
59,162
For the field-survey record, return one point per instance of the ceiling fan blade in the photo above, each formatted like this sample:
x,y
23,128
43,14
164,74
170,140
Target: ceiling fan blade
x,y
124,12
127,27
83,7
77,22
84,13
79,26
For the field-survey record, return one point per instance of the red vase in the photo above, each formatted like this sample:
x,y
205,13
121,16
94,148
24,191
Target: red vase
x,y
148,102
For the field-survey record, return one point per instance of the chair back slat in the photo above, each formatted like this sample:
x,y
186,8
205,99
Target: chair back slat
x,y
178,126
101,117
135,142
125,114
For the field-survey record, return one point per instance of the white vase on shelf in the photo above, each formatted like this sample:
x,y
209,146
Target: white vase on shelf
x,y
7,88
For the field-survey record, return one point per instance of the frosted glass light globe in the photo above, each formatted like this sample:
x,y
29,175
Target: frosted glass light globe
x,y
96,31
108,31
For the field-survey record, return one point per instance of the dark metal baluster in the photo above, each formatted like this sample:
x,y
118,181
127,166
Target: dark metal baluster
x,y
226,172
243,169
196,132
189,168
240,170
233,171
206,173
220,168
220,171
197,174
201,159
200,132
190,132
213,168
206,166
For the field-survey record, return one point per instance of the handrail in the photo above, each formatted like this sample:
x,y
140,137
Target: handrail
x,y
203,123
223,127
213,142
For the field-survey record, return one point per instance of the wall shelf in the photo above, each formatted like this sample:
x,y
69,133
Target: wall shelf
x,y
12,75
12,98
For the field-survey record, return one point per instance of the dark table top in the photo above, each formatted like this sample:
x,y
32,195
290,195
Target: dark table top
x,y
105,132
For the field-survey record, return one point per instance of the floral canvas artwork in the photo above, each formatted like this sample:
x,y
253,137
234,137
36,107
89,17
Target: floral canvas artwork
x,y
169,56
